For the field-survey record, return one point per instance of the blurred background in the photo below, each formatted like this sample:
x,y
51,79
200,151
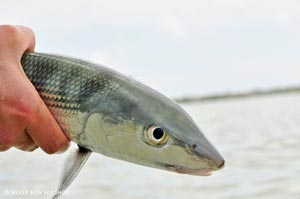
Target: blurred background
x,y
179,47
183,49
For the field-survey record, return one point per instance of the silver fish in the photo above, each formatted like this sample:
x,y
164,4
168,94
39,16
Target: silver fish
x,y
106,112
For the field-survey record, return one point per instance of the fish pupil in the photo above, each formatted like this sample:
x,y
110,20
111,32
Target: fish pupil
x,y
158,133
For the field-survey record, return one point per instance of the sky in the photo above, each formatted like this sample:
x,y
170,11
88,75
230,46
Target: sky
x,y
181,48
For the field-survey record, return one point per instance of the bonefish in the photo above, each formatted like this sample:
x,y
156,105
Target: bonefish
x,y
106,112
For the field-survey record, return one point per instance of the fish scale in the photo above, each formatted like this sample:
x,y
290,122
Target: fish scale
x,y
67,86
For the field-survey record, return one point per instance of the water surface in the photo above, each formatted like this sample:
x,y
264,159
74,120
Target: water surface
x,y
258,137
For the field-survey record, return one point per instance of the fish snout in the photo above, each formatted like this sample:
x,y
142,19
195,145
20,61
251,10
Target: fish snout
x,y
207,151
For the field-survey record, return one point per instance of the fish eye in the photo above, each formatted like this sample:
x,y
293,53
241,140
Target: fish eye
x,y
156,136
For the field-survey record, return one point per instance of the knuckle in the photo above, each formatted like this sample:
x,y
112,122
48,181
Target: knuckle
x,y
12,31
15,30
9,28
15,36
26,110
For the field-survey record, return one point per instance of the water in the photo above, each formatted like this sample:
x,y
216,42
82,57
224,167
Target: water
x,y
259,138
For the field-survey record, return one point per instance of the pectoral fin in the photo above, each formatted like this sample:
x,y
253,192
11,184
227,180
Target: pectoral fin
x,y
72,167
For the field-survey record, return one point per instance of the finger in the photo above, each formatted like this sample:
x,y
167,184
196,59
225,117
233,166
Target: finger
x,y
14,41
46,133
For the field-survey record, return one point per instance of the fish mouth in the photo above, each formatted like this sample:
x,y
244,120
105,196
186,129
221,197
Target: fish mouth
x,y
196,172
188,171
206,152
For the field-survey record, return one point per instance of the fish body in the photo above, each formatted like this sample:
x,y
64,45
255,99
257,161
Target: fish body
x,y
113,114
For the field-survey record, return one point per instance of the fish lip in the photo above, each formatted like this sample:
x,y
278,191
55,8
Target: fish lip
x,y
196,172
189,171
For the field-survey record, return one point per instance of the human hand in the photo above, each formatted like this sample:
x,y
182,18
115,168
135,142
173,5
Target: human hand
x,y
25,121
